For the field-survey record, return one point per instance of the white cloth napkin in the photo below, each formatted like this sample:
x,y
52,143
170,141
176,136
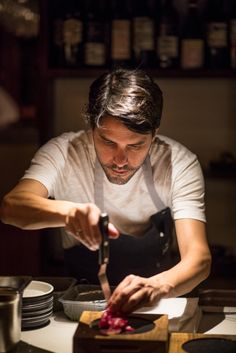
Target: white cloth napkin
x,y
183,313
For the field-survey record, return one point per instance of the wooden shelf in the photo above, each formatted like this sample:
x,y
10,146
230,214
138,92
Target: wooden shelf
x,y
160,73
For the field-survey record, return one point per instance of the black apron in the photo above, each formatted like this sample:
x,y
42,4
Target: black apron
x,y
144,255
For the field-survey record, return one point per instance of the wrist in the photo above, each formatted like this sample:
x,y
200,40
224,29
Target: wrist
x,y
166,288
62,210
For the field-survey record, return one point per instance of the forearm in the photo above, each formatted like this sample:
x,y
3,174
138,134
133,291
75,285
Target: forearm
x,y
184,276
30,211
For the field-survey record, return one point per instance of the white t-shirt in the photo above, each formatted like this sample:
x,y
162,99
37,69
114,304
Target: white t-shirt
x,y
65,166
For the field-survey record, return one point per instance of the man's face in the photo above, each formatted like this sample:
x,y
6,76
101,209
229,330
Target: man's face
x,y
120,151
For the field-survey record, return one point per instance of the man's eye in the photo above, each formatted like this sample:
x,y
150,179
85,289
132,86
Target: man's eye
x,y
108,142
135,147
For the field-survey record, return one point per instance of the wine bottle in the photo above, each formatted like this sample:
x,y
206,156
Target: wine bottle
x,y
232,34
95,45
73,34
57,45
120,34
168,36
143,35
192,39
217,52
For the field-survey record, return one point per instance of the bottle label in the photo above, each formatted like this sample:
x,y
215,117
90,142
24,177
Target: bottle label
x,y
120,46
192,53
167,46
72,31
217,35
58,32
95,54
143,34
95,32
233,43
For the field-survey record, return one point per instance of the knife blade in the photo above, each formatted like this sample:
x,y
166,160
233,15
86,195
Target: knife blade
x,y
103,256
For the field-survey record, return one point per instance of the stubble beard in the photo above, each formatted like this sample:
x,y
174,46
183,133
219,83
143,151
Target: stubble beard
x,y
119,180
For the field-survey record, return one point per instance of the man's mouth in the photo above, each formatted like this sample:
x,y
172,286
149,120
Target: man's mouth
x,y
119,171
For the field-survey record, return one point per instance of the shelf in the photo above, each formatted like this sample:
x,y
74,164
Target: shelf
x,y
160,73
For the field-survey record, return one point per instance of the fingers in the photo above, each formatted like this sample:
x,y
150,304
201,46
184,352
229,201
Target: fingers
x,y
113,232
125,296
89,220
132,293
82,222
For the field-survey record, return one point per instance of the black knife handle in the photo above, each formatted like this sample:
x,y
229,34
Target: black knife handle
x,y
104,247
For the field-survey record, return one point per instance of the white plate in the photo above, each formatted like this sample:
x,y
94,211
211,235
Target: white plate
x,y
37,289
44,303
37,318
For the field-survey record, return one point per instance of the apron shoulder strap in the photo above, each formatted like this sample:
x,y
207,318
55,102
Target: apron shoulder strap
x,y
148,176
98,186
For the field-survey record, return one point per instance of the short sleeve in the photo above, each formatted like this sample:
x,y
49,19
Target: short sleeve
x,y
188,189
47,163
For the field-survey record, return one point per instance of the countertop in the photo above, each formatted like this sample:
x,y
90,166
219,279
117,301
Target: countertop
x,y
57,336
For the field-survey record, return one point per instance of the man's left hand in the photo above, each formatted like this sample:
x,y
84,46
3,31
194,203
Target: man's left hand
x,y
134,292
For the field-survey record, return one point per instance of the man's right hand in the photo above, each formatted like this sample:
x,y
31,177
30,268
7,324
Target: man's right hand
x,y
82,222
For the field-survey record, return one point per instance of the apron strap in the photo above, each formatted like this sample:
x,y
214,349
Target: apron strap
x,y
98,186
147,171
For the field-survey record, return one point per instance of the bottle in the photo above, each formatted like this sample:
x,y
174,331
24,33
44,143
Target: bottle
x,y
192,39
95,45
143,36
57,42
232,34
168,36
120,34
217,52
73,34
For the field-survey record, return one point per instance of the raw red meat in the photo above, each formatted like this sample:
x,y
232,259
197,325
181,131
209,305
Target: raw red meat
x,y
113,323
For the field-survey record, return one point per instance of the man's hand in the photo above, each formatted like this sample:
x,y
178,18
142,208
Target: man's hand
x,y
82,222
134,292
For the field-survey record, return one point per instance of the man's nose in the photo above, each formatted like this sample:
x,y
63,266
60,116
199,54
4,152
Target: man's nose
x,y
121,157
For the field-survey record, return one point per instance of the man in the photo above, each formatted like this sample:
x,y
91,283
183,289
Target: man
x,y
141,179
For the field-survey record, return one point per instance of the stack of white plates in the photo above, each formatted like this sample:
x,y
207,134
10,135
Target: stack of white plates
x,y
37,305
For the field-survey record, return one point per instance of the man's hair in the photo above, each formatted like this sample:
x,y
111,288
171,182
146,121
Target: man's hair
x,y
129,95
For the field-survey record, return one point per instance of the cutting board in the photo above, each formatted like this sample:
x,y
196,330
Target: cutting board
x,y
178,339
150,337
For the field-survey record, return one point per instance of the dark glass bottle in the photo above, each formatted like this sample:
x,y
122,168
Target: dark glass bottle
x,y
73,34
232,34
95,43
57,46
143,34
217,49
120,34
168,36
192,39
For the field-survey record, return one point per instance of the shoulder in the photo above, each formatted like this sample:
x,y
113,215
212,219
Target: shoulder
x,y
166,143
63,143
68,138
172,152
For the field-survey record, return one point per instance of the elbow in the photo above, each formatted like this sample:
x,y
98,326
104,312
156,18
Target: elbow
x,y
7,211
206,266
4,210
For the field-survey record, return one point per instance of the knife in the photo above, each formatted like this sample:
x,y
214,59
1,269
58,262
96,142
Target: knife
x,y
103,256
